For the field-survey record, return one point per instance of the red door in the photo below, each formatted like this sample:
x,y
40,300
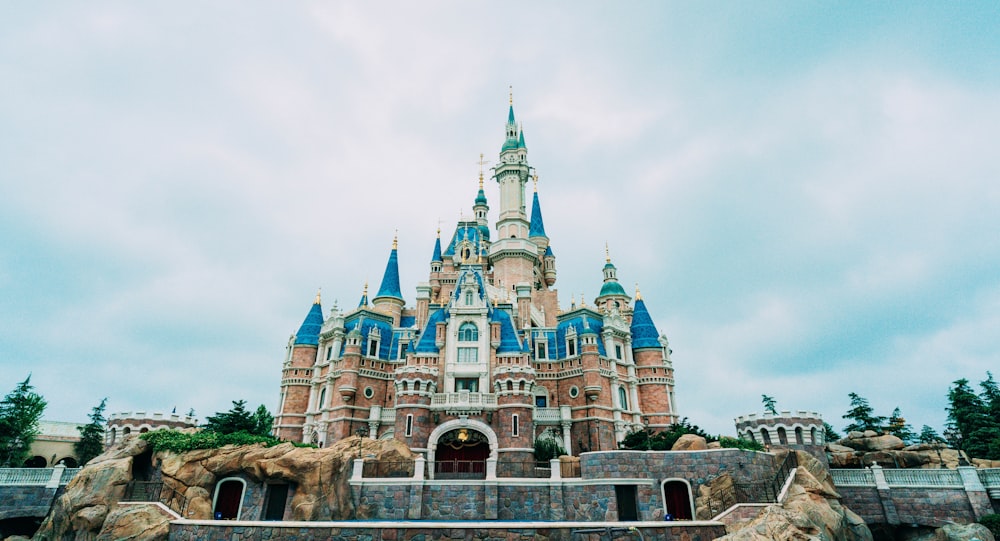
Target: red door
x,y
228,500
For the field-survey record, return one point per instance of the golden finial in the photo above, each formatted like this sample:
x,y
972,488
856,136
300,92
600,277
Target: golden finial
x,y
479,249
535,178
572,300
583,300
511,88
481,163
366,288
318,291
395,239
607,253
638,295
494,301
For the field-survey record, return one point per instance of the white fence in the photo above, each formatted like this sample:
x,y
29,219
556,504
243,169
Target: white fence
x,y
35,476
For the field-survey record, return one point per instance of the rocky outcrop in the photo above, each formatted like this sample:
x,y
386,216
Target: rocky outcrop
x,y
690,442
711,497
89,508
859,450
811,510
949,532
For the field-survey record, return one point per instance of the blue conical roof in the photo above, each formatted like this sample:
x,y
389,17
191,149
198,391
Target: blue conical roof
x,y
436,257
510,114
520,140
481,197
537,228
308,334
644,333
390,280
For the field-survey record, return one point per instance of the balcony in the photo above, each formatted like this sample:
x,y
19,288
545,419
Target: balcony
x,y
463,402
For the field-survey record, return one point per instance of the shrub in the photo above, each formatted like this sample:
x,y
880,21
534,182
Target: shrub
x,y
992,522
179,442
740,443
547,448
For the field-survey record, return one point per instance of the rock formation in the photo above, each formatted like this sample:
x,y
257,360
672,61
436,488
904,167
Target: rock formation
x,y
89,509
689,442
811,510
859,450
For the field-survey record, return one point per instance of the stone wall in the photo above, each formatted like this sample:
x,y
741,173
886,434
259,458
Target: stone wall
x,y
453,502
260,531
26,501
864,501
695,467
932,506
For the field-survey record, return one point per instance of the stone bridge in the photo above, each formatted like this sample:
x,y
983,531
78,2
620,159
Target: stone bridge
x,y
923,497
29,492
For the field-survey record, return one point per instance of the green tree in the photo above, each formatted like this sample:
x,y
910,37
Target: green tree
x,y
647,440
20,412
830,433
862,416
91,441
900,428
263,421
969,426
238,419
770,406
929,435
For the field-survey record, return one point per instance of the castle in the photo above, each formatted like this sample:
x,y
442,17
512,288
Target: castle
x,y
486,361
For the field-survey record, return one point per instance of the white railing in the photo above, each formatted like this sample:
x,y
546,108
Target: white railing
x,y
68,474
990,477
547,414
25,476
923,478
464,399
853,478
35,476
388,416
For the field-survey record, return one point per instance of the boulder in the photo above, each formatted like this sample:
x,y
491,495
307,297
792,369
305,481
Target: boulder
x,y
713,497
690,442
714,445
136,523
963,532
811,510
985,463
886,442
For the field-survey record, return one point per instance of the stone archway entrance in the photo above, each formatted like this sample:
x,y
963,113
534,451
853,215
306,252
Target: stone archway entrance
x,y
461,454
459,449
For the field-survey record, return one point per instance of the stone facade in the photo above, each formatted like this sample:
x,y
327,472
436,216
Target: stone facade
x,y
212,531
486,347
124,424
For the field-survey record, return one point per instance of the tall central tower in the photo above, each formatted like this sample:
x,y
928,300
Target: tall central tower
x,y
513,256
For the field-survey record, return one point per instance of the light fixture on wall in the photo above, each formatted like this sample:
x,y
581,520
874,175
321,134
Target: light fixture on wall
x,y
463,435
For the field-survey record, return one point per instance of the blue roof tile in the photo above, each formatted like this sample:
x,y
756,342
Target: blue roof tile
x,y
436,256
509,342
390,280
428,338
537,227
644,333
308,334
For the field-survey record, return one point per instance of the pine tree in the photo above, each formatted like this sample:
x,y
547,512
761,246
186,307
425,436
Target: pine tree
x,y
900,428
863,416
263,421
91,441
20,412
830,433
239,419
968,422
770,406
929,435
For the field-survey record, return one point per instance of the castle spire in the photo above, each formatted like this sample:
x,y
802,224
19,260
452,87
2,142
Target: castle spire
x,y
644,333
537,225
363,303
308,334
390,279
436,257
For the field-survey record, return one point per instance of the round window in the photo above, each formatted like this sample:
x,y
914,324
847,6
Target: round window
x,y
369,392
574,391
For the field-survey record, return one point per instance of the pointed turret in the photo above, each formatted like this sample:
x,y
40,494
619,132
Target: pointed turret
x,y
520,138
390,280
644,333
537,226
389,299
436,256
363,303
308,334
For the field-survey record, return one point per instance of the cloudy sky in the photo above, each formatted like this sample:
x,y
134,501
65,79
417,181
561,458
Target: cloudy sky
x,y
806,193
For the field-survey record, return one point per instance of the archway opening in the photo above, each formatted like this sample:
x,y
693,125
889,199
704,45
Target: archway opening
x,y
228,499
69,462
36,462
677,500
461,454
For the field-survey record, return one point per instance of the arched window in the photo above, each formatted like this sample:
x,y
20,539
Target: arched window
x,y
812,436
798,435
623,398
468,332
765,437
782,438
322,398
677,499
